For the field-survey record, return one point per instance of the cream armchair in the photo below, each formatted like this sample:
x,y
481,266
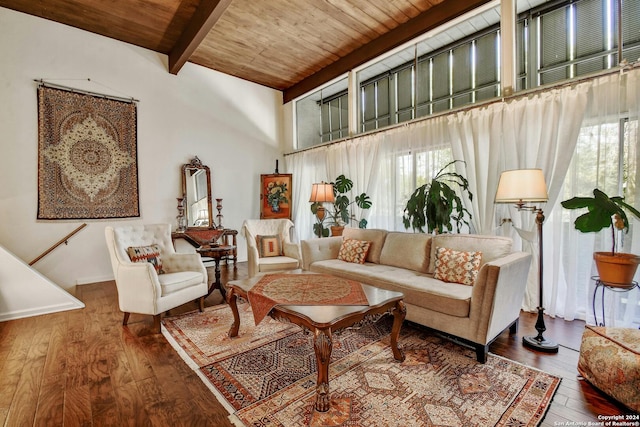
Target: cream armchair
x,y
140,288
289,257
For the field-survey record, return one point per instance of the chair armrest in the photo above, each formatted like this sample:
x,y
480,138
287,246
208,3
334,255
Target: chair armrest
x,y
319,250
172,263
498,294
138,287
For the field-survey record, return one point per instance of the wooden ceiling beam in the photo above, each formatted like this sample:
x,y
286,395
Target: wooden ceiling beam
x,y
202,21
428,20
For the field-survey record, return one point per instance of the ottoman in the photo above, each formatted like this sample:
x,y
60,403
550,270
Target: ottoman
x,y
610,361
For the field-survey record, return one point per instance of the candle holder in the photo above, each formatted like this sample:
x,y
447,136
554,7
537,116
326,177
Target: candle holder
x,y
219,216
181,219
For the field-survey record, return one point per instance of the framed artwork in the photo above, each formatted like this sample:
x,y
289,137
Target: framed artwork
x,y
275,196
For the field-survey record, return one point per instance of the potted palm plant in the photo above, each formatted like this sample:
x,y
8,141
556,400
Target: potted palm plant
x,y
436,204
614,268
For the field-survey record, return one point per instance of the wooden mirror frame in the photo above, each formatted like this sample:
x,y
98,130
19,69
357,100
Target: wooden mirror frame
x,y
196,165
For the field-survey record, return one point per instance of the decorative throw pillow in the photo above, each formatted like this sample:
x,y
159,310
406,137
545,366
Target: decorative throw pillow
x,y
457,266
269,246
150,254
352,250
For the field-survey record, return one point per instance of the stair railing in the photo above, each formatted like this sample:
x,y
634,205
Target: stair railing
x,y
64,240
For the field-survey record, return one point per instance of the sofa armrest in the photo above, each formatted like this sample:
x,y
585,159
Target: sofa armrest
x,y
319,250
498,293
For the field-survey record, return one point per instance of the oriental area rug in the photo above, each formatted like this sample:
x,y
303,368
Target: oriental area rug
x,y
266,376
87,156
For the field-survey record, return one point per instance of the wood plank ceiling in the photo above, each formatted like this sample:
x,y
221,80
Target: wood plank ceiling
x,y
289,45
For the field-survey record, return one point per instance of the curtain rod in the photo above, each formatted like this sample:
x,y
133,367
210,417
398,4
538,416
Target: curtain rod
x,y
41,82
518,95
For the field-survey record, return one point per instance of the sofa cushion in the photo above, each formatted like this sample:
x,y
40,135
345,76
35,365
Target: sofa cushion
x,y
150,254
277,263
492,247
457,266
355,251
419,289
376,237
269,246
407,250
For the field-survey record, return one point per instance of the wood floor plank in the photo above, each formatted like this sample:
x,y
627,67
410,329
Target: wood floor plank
x,y
77,406
50,409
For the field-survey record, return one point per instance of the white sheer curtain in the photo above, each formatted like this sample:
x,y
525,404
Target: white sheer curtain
x,y
306,167
541,131
476,137
606,157
397,152
355,159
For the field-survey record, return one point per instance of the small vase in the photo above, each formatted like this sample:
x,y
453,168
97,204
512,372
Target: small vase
x,y
275,206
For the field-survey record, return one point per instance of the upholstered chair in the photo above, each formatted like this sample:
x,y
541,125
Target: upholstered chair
x,y
270,246
151,277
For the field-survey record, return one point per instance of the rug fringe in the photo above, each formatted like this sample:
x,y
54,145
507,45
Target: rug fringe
x,y
236,421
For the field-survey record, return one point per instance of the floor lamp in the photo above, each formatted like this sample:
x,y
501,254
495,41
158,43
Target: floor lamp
x,y
321,193
520,187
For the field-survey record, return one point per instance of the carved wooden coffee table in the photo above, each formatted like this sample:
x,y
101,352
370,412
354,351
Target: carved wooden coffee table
x,y
323,320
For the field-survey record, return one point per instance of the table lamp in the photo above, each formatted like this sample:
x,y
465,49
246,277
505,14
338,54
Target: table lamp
x,y
321,193
522,186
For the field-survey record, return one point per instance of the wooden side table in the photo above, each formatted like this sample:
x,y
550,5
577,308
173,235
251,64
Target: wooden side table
x,y
217,253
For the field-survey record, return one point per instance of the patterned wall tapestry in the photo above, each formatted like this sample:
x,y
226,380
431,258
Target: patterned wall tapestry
x,y
87,156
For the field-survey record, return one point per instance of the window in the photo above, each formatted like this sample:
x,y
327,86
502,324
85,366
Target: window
x,y
431,81
576,38
323,116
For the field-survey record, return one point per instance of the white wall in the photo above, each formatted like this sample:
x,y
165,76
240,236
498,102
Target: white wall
x,y
232,125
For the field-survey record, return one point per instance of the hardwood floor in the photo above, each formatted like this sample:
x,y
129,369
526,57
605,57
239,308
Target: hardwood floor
x,y
82,368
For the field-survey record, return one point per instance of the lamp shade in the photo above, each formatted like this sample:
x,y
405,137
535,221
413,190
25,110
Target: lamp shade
x,y
322,192
522,185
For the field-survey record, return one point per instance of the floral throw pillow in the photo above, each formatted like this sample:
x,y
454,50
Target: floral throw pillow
x,y
150,254
457,266
269,246
352,250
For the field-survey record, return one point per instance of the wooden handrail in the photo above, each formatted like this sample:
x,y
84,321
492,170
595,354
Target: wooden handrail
x,y
61,241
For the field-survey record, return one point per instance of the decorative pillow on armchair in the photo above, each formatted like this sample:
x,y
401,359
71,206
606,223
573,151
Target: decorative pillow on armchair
x,y
269,246
457,266
150,254
352,250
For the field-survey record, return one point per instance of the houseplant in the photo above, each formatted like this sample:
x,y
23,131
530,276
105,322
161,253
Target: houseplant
x,y
614,268
340,214
436,205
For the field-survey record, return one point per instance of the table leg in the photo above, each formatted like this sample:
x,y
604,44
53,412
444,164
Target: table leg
x,y
323,346
399,313
232,301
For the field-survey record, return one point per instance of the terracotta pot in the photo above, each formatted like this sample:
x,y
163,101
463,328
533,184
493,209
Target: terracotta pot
x,y
336,230
616,269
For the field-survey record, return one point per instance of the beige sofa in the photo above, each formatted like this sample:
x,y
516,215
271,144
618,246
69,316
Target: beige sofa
x,y
405,262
